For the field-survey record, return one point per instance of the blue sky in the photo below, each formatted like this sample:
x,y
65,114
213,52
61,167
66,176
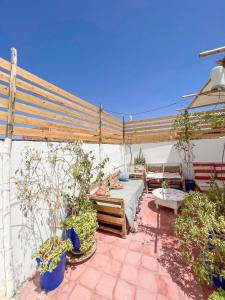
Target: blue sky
x,y
130,55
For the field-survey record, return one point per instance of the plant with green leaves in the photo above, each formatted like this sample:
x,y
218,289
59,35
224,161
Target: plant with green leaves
x,y
139,159
184,127
216,119
41,181
217,295
84,224
82,218
201,227
165,185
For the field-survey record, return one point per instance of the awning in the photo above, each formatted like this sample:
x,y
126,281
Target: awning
x,y
207,97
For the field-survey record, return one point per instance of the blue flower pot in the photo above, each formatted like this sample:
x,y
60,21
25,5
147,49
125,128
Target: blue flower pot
x,y
72,235
51,280
217,283
189,185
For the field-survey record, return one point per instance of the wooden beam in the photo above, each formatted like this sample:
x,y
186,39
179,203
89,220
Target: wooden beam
x,y
12,95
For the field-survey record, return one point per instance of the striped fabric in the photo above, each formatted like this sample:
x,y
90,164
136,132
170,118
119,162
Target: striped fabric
x,y
204,172
220,171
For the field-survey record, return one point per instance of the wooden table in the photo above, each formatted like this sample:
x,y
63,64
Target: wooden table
x,y
171,198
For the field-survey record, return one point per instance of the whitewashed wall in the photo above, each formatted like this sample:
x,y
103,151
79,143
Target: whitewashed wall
x,y
23,264
204,151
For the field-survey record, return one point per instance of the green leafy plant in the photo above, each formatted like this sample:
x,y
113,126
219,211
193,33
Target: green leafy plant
x,y
217,295
50,252
43,182
216,119
201,227
139,159
184,127
84,224
82,217
165,185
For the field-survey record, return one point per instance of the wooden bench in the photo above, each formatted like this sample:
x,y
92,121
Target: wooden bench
x,y
162,172
206,172
111,210
110,214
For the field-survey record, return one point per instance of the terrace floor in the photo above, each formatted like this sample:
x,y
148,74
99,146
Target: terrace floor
x,y
145,266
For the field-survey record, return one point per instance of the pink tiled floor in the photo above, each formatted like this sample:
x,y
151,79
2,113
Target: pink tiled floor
x,y
144,266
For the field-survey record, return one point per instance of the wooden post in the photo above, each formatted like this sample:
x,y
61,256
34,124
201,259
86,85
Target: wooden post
x,y
12,94
6,175
100,132
124,146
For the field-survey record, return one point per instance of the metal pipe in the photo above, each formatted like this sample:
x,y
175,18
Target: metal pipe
x,y
212,52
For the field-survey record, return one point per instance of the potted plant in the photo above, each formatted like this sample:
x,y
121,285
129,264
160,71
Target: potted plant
x,y
217,295
80,223
165,187
41,182
201,228
184,126
139,161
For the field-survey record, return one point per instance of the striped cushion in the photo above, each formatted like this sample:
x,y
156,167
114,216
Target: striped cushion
x,y
220,171
204,171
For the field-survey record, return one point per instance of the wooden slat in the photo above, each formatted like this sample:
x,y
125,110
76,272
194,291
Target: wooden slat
x,y
37,80
151,120
106,200
109,219
38,91
110,229
50,134
43,103
44,113
109,209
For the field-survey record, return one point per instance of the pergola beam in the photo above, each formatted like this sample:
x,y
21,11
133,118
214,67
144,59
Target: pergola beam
x,y
212,52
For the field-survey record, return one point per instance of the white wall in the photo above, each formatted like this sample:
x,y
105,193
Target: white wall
x,y
22,249
204,151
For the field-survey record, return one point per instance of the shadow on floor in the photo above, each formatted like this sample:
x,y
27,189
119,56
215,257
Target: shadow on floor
x,y
165,243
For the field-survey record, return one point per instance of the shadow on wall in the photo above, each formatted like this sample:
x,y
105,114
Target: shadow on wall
x,y
163,152
209,150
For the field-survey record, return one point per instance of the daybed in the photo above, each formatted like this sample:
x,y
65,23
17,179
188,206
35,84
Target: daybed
x,y
157,173
206,172
117,213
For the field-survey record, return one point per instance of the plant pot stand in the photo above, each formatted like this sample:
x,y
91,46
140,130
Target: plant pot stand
x,y
77,258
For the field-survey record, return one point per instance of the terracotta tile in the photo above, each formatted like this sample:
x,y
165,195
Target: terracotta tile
x,y
110,238
161,297
128,269
106,285
100,261
103,247
80,292
136,245
124,291
133,258
124,243
118,253
139,236
97,297
75,274
90,278
129,273
147,280
149,263
143,294
167,287
66,287
113,267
